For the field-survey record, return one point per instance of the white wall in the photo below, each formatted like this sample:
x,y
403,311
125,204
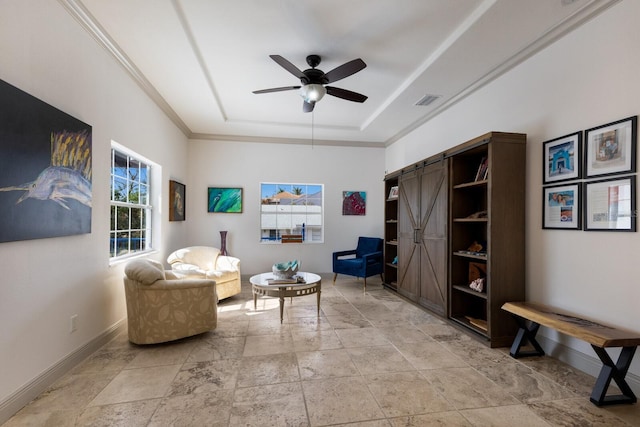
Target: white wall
x,y
47,54
586,79
246,165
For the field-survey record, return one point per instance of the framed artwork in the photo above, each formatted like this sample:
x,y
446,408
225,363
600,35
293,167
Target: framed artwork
x,y
610,205
45,169
177,201
393,193
611,149
561,207
562,158
224,199
354,203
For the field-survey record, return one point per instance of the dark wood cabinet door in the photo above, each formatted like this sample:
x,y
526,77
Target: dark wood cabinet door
x,y
433,237
408,242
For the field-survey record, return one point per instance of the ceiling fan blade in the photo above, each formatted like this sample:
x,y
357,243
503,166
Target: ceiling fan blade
x,y
307,107
287,66
345,94
344,70
276,89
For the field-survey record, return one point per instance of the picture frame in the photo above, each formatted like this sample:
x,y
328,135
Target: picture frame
x,y
393,193
224,199
177,201
562,158
610,149
354,203
561,207
610,204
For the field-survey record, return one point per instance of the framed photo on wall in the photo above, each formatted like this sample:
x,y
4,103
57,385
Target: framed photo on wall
x,y
561,207
610,205
562,158
611,149
177,201
354,203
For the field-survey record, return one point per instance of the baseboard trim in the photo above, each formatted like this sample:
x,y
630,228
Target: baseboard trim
x,y
581,361
11,405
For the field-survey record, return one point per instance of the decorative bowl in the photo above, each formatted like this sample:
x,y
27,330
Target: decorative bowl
x,y
285,270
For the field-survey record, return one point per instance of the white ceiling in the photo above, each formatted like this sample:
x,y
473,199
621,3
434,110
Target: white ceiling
x,y
200,60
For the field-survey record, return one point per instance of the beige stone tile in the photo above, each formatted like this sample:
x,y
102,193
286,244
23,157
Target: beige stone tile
x,y
628,413
173,353
211,409
570,378
300,309
342,321
315,365
269,369
236,328
54,418
380,359
339,309
137,384
443,332
361,337
504,416
108,358
373,423
404,334
71,392
299,324
442,419
120,414
269,405
576,412
429,355
523,383
261,326
203,377
316,340
405,393
476,354
217,349
340,400
465,388
268,344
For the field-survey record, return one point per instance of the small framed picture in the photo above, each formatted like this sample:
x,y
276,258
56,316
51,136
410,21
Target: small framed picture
x,y
562,158
610,205
354,203
611,149
561,207
393,193
176,201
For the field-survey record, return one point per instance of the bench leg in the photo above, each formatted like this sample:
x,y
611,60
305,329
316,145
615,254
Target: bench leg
x,y
525,334
617,372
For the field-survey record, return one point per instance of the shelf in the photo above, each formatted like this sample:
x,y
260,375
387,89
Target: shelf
x,y
469,255
468,290
392,200
392,243
392,221
471,184
471,220
392,265
464,321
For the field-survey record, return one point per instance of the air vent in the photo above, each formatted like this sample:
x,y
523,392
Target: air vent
x,y
427,99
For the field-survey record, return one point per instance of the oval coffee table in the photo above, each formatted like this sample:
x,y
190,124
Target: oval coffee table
x,y
260,286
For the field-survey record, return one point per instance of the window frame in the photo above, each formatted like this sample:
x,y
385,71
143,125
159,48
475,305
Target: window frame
x,y
145,206
309,229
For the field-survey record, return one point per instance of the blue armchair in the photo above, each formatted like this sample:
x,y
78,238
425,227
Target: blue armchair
x,y
364,261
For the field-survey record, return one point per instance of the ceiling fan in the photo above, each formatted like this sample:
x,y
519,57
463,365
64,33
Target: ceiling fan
x,y
314,80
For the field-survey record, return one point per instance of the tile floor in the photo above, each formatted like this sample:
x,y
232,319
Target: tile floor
x,y
370,360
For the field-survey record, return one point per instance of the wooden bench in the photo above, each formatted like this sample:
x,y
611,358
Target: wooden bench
x,y
531,315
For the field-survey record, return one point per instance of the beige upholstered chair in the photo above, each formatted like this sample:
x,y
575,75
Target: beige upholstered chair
x,y
206,262
163,307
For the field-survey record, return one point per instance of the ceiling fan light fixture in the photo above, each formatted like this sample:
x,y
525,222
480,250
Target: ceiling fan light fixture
x,y
312,92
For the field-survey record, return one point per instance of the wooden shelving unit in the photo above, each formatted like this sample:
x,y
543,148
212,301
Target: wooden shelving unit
x,y
390,233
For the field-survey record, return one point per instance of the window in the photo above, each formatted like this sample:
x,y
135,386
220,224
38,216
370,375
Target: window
x,y
130,230
291,209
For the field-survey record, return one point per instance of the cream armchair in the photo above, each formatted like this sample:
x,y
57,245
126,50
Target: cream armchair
x,y
163,307
206,262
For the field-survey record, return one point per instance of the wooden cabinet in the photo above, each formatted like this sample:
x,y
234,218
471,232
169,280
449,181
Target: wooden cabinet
x,y
391,232
422,234
486,237
460,215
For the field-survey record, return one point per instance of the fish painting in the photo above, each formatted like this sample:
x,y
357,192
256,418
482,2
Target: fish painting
x,y
69,175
